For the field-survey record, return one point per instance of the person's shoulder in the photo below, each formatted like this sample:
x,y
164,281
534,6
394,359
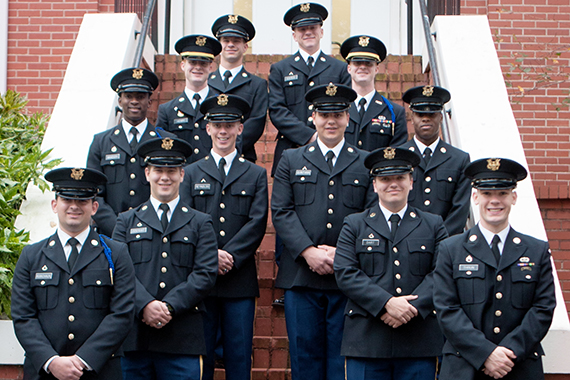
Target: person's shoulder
x,y
453,150
170,103
530,241
105,134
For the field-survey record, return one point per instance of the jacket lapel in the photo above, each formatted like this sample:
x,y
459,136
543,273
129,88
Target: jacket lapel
x,y
314,155
410,222
241,78
375,220
147,214
236,170
180,217
54,251
208,165
215,81
119,139
374,109
513,249
184,104
346,157
320,65
300,64
439,156
477,246
89,252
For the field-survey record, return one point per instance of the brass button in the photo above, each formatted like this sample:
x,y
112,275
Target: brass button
x,y
360,143
397,263
496,330
71,299
180,126
329,225
196,137
196,151
223,192
528,276
330,211
302,178
201,192
398,276
71,318
499,295
427,202
350,311
398,290
356,181
71,337
427,190
310,119
311,83
331,183
132,192
42,282
222,206
196,125
469,273
71,281
428,179
164,255
165,239
498,313
162,285
369,248
222,233
499,278
112,162
310,107
98,282
423,247
133,176
395,249
331,196
222,219
133,160
185,238
163,270
450,179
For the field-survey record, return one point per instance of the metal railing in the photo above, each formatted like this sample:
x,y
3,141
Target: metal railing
x,y
146,10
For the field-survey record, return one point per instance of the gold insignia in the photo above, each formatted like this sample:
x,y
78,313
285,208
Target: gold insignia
x,y
389,153
244,75
372,214
305,7
428,91
371,236
180,113
137,73
472,238
323,59
413,214
412,149
232,19
139,224
350,150
493,164
331,90
296,60
167,143
144,207
184,209
44,268
203,180
222,100
52,243
517,240
312,149
77,174
363,41
117,131
94,242
241,159
152,133
443,150
114,149
180,100
200,40
469,259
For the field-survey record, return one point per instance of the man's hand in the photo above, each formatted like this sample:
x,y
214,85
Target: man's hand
x,y
66,367
331,251
225,262
156,314
499,363
318,260
399,311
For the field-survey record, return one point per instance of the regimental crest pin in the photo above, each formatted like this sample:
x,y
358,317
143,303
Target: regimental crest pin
x,y
331,90
305,7
222,100
77,174
493,164
469,259
137,73
428,91
44,268
167,143
371,236
200,40
389,153
363,41
232,19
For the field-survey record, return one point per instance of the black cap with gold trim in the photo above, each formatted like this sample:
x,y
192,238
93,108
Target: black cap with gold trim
x,y
363,48
134,79
426,99
233,26
76,183
495,173
165,152
224,108
330,97
305,14
391,161
198,47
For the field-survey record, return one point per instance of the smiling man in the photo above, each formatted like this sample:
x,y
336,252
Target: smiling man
x,y
384,264
374,121
441,186
234,192
494,290
182,115
174,252
234,33
315,187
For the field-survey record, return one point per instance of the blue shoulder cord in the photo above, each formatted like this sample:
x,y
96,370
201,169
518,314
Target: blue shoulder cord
x,y
391,108
157,132
107,251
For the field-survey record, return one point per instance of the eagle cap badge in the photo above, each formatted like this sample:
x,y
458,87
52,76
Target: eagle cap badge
x,y
389,153
305,7
428,91
200,40
493,164
167,143
77,174
138,73
232,19
222,100
363,41
331,90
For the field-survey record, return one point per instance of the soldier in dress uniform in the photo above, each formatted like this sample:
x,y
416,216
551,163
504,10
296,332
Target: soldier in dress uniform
x,y
73,294
384,264
291,78
175,256
315,187
182,115
113,152
494,290
440,185
234,32
234,192
375,122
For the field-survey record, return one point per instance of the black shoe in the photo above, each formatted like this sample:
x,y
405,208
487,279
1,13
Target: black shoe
x,y
279,301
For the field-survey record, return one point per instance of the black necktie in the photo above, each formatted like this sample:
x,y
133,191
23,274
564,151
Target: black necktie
x,y
134,141
329,157
394,220
196,97
164,218
495,248
227,76
310,62
361,110
74,252
427,155
222,169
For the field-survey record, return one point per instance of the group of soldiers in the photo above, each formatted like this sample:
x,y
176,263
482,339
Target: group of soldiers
x,y
152,269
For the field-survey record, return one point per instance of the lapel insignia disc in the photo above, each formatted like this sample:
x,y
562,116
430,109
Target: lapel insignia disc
x,y
44,268
77,174
443,150
167,143
413,214
493,164
469,259
52,243
371,236
472,238
517,240
94,242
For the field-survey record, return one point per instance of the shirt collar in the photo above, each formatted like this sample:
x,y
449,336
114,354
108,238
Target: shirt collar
x,y
306,56
368,98
387,213
81,237
235,71
171,205
127,128
422,146
229,159
190,94
336,150
488,235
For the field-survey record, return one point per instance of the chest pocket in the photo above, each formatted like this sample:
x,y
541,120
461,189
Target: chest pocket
x,y
113,164
202,195
421,256
294,88
45,289
524,285
242,193
381,127
139,240
470,283
354,187
182,246
304,188
96,288
371,255
446,181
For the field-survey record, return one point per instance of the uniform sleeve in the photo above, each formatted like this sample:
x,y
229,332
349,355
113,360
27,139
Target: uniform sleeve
x,y
285,218
401,128
350,277
282,118
246,241
162,117
454,323
254,126
345,77
461,201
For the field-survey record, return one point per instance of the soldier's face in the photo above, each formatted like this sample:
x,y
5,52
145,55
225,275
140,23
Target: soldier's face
x,y
74,215
164,181
330,126
134,106
233,49
393,190
426,126
224,136
196,72
308,37
363,72
494,207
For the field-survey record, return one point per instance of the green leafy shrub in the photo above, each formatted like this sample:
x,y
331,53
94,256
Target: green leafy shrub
x,y
21,162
